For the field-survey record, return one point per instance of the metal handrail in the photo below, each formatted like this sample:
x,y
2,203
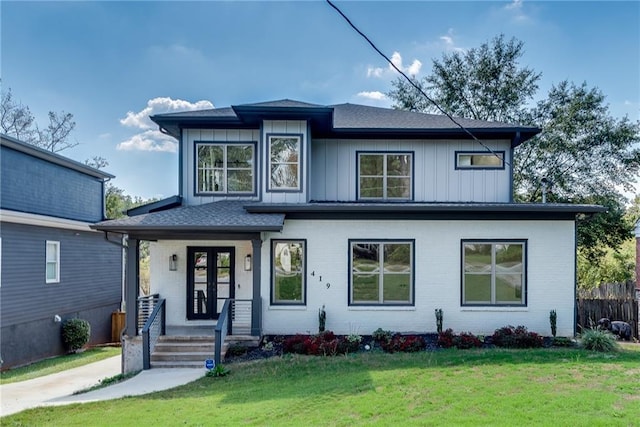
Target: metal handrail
x,y
153,328
223,327
146,304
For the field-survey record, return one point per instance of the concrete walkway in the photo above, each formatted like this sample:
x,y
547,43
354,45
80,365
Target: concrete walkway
x,y
58,389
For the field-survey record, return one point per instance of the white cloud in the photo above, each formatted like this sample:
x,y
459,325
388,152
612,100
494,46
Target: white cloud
x,y
160,105
412,69
515,9
149,140
449,41
375,72
375,95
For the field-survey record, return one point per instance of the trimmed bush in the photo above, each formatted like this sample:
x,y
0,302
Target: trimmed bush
x,y
323,344
75,334
519,337
404,343
464,340
380,335
597,340
445,339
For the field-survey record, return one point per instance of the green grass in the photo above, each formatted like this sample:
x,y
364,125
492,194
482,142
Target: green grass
x,y
57,364
450,387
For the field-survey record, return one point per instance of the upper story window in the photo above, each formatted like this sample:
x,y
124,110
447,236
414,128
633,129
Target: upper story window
x,y
285,152
52,262
385,176
225,168
494,272
381,272
479,160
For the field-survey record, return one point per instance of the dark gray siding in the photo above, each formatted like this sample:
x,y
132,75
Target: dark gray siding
x,y
90,285
33,185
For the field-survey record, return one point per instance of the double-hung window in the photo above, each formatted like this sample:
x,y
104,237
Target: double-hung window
x,y
225,168
288,264
385,176
494,272
52,256
285,152
381,272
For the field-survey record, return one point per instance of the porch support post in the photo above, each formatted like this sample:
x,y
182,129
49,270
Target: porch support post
x,y
256,304
131,287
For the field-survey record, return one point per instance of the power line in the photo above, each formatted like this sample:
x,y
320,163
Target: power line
x,y
412,83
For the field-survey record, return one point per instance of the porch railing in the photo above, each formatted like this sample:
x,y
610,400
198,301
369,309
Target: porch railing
x,y
151,331
146,304
223,327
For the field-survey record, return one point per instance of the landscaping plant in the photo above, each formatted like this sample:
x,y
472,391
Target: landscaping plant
x,y
553,317
518,337
75,334
439,320
599,340
322,319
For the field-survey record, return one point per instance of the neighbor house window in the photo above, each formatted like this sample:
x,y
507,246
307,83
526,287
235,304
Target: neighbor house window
x,y
385,176
494,272
284,162
225,168
381,272
52,262
288,272
479,160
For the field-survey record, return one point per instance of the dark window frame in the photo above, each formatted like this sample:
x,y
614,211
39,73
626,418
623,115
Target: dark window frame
x,y
525,268
300,187
412,156
412,293
196,187
272,274
477,153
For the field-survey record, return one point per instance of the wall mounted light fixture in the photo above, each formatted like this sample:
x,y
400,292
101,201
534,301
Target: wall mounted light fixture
x,y
173,262
247,263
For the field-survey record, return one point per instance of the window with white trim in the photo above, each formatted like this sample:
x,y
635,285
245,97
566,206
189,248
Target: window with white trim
x,y
284,162
288,263
385,176
494,272
225,168
52,262
381,272
479,160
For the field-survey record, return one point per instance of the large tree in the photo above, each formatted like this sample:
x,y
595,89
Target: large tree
x,y
587,155
485,83
17,120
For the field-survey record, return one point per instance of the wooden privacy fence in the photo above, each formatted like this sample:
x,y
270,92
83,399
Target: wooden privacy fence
x,y
616,301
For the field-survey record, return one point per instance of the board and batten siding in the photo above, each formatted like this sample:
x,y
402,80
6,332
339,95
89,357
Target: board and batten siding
x,y
437,249
193,136
30,184
435,178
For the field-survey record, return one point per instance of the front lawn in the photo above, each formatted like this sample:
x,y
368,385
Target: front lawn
x,y
448,387
58,364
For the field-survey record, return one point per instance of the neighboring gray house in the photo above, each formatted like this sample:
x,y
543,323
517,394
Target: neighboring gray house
x,y
52,264
379,215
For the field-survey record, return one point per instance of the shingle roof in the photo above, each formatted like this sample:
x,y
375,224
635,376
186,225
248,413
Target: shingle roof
x,y
222,216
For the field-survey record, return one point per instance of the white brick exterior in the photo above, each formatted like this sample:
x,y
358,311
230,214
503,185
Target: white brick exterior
x,y
550,277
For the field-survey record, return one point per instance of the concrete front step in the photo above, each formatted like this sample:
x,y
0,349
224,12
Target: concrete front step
x,y
180,351
194,365
192,356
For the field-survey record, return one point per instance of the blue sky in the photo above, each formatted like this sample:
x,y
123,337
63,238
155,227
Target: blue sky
x,y
112,64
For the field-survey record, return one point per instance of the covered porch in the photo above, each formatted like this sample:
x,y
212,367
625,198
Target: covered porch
x,y
205,264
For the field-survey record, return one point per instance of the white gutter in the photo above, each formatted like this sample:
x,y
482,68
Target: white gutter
x,y
43,221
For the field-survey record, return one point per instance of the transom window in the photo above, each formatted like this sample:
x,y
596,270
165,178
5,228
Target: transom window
x,y
52,262
385,176
284,162
494,273
479,160
225,168
288,272
381,272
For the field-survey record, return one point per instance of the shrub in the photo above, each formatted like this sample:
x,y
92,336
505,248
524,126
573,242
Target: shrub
x,y
439,320
519,337
404,343
380,335
464,340
553,318
445,339
597,340
323,344
75,334
237,350
295,344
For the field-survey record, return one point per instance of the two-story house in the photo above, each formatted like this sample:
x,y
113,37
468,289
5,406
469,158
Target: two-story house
x,y
379,215
53,265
